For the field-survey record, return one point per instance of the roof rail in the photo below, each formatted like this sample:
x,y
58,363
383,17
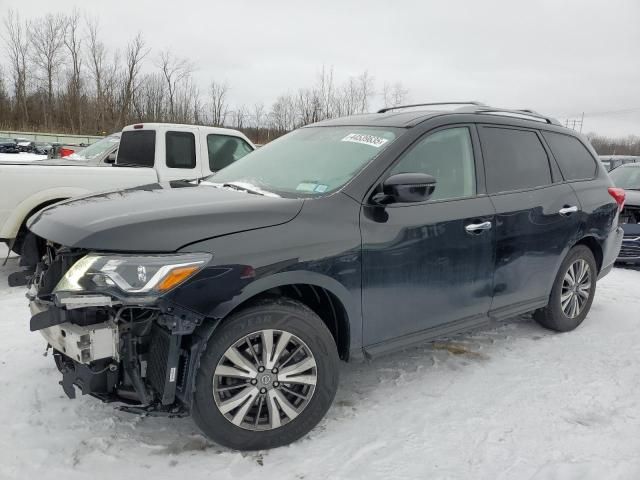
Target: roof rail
x,y
531,114
398,107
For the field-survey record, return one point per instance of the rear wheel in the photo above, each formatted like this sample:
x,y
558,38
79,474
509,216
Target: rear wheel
x,y
572,293
267,377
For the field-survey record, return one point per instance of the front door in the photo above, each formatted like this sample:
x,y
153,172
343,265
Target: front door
x,y
429,263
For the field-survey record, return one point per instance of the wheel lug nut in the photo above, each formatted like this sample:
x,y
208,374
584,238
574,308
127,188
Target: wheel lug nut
x,y
276,384
263,390
261,369
274,370
254,381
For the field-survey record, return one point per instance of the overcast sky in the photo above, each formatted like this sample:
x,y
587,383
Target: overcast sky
x,y
559,57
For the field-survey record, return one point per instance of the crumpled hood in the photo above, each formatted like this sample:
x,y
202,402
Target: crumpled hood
x,y
158,217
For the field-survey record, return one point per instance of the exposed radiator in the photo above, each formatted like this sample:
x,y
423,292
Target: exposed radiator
x,y
162,366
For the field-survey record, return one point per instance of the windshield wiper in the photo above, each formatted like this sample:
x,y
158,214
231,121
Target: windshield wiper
x,y
243,187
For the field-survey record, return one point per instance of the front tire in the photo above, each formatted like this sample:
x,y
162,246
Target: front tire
x,y
267,376
572,293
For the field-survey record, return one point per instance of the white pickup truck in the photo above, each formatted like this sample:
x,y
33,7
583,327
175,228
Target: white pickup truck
x,y
148,153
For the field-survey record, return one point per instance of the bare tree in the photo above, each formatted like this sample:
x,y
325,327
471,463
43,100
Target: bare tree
x,y
394,95
219,106
240,116
136,52
97,58
47,40
365,82
17,45
326,93
73,43
174,70
283,114
258,119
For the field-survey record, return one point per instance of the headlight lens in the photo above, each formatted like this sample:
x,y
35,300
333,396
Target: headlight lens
x,y
131,274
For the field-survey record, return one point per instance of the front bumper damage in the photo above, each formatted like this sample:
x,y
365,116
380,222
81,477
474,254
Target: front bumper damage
x,y
141,356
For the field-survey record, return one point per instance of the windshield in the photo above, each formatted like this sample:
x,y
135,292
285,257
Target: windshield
x,y
626,177
97,149
309,161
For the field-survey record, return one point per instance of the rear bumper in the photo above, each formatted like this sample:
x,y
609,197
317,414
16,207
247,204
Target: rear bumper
x,y
611,250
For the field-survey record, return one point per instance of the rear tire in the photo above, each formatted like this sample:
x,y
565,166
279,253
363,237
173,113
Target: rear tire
x,y
572,293
271,416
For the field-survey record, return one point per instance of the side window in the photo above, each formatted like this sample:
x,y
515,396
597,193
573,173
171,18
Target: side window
x,y
447,155
181,150
137,147
514,159
224,150
576,163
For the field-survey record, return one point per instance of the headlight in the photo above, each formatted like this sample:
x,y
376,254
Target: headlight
x,y
131,274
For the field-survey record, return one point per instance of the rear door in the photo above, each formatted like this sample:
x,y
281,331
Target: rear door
x,y
536,216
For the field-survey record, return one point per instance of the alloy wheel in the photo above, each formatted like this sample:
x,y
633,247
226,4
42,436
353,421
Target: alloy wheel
x,y
576,288
265,380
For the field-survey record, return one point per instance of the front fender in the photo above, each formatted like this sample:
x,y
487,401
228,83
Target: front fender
x,y
291,278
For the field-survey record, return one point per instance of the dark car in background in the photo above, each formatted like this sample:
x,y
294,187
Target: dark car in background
x,y
627,176
8,145
234,298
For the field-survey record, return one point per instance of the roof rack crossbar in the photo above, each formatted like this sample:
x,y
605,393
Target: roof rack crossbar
x,y
398,107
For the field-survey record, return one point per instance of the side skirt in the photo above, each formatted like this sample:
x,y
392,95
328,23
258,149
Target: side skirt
x,y
451,328
426,335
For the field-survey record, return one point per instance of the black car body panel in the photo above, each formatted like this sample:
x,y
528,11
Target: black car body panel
x,y
143,218
384,276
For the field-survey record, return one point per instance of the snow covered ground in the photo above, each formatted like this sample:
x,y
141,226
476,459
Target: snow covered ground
x,y
513,402
20,157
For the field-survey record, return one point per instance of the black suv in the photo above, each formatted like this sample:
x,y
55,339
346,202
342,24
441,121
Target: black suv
x,y
233,298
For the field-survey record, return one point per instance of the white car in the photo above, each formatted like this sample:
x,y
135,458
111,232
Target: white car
x,y
148,153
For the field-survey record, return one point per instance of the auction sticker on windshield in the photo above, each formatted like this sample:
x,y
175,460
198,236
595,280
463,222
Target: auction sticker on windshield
x,y
370,140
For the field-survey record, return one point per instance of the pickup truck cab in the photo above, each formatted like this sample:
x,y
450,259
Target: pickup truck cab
x,y
148,153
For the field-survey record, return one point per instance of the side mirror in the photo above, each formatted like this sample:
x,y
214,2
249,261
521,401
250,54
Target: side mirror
x,y
405,188
111,158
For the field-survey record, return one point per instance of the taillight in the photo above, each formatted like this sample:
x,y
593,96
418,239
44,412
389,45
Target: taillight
x,y
64,152
618,195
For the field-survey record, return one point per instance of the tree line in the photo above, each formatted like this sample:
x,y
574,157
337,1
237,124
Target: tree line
x,y
615,146
58,74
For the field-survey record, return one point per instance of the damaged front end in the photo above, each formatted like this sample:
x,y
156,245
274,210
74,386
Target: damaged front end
x,y
112,333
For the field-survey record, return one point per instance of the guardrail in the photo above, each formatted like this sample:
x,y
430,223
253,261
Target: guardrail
x,y
64,139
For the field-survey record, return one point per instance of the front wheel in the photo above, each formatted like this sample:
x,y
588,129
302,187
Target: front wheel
x,y
267,376
572,293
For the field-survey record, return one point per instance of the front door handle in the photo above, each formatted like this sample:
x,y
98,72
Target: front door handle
x,y
478,227
566,211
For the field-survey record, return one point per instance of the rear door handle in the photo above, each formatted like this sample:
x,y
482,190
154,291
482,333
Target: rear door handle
x,y
566,211
478,227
